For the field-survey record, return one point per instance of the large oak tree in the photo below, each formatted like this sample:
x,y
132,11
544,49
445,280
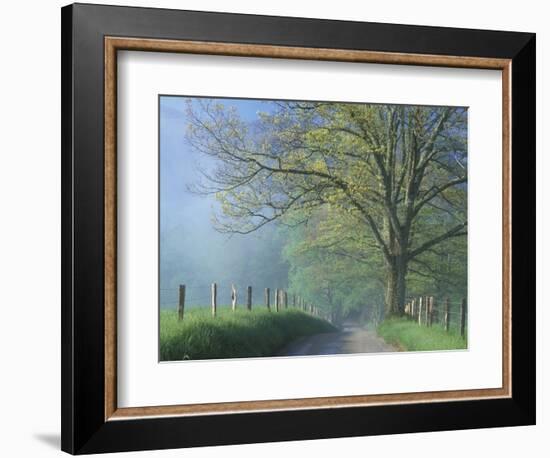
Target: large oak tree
x,y
399,171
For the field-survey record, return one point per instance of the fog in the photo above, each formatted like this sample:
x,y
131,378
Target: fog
x,y
192,252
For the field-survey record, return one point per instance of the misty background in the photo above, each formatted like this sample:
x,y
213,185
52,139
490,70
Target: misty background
x,y
192,252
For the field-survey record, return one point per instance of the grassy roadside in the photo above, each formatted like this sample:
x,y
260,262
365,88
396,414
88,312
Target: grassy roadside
x,y
238,334
407,335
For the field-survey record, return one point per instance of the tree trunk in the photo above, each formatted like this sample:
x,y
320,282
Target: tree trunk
x,y
395,286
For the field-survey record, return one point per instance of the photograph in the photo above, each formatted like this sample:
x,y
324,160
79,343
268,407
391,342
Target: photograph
x,y
308,228
273,217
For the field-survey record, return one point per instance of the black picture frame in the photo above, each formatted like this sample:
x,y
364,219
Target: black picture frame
x,y
84,428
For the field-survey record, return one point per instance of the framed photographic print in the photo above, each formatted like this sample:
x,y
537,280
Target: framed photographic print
x,y
281,228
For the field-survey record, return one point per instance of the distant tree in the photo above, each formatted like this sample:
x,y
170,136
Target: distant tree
x,y
398,171
335,265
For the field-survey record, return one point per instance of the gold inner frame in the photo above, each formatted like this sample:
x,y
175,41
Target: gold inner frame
x,y
114,44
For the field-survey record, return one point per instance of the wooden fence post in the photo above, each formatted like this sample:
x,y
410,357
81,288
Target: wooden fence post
x,y
420,311
447,315
233,298
463,316
267,298
426,310
214,298
277,297
181,303
249,298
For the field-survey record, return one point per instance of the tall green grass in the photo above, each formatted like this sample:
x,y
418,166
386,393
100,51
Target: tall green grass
x,y
409,336
238,334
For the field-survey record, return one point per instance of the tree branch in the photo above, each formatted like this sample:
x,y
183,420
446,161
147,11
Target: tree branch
x,y
454,232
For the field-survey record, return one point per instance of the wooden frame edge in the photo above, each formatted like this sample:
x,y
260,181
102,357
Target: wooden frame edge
x,y
110,202
507,227
335,402
291,52
111,46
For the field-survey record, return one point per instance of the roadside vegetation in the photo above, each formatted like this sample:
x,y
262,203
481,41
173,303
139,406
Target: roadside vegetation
x,y
407,335
238,334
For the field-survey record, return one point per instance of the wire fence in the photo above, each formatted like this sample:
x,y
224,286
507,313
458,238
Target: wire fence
x,y
275,299
199,295
429,310
425,310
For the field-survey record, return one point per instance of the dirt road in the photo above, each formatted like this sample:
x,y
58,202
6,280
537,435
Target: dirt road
x,y
351,339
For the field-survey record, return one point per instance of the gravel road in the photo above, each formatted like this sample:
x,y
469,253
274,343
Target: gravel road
x,y
351,339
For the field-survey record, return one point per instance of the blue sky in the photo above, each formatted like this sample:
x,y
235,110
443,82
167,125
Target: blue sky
x,y
178,161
